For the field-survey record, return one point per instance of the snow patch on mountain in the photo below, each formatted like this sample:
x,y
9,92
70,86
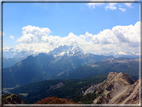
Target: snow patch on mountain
x,y
66,51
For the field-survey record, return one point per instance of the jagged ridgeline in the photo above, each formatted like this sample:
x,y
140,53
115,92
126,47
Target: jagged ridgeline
x,y
48,66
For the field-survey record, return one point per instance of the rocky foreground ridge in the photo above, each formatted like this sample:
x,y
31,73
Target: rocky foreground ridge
x,y
117,88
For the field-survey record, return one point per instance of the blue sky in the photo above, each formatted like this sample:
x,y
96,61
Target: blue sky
x,y
71,24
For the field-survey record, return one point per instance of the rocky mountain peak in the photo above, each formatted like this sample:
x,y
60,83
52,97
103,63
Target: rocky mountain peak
x,y
66,50
111,75
117,88
119,78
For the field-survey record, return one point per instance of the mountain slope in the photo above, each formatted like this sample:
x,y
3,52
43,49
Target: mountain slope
x,y
10,61
29,70
61,88
129,66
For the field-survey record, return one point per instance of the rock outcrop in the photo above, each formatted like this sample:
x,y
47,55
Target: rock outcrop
x,y
117,88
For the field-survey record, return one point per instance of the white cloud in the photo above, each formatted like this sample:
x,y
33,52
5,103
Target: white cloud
x,y
32,34
129,34
122,9
12,37
93,5
119,38
111,6
128,4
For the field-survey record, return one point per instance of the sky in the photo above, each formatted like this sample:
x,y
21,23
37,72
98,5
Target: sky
x,y
95,27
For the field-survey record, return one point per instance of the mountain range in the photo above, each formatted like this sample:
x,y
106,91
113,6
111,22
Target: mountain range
x,y
67,70
11,57
48,66
59,51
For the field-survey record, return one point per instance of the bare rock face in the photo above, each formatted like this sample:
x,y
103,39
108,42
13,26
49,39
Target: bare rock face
x,y
129,95
93,88
118,88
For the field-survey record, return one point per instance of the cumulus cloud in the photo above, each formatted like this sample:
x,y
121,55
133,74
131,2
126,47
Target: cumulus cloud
x,y
104,37
130,34
12,37
119,38
32,34
122,9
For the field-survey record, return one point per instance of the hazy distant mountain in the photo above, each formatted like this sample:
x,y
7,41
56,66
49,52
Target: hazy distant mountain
x,y
8,53
10,57
46,66
126,55
8,62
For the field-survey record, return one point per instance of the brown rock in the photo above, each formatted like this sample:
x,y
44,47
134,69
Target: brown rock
x,y
55,100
